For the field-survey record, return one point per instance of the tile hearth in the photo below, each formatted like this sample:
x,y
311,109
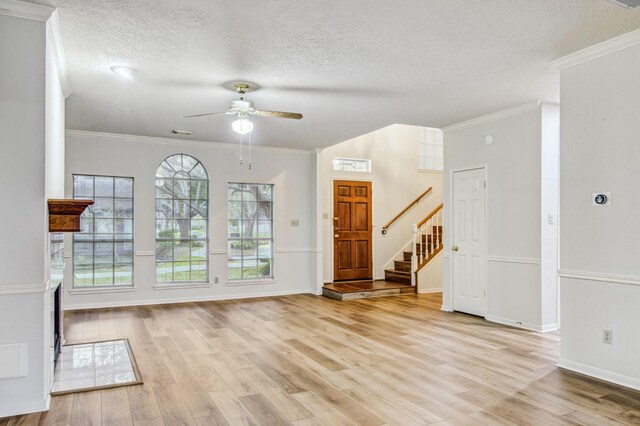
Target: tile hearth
x,y
98,365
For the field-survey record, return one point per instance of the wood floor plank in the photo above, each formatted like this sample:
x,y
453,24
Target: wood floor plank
x,y
115,407
87,408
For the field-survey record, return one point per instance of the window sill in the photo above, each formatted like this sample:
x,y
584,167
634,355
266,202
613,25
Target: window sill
x,y
101,290
251,282
175,286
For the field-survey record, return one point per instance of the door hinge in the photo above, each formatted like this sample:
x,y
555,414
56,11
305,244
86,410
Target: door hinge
x,y
485,183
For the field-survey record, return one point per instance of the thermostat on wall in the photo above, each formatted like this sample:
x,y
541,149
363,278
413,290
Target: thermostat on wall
x,y
601,198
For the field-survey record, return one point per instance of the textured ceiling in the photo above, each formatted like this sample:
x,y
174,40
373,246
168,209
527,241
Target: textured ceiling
x,y
350,66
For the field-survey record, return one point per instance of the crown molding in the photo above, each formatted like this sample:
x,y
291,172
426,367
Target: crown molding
x,y
24,10
183,142
57,50
597,50
510,112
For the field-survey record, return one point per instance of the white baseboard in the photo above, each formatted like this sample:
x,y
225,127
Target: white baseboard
x,y
524,325
25,407
598,373
429,291
446,308
119,304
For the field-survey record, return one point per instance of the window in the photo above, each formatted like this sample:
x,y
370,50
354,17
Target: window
x,y
103,250
430,153
351,165
182,196
250,230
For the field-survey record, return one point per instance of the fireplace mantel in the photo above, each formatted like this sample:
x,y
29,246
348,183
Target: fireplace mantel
x,y
64,215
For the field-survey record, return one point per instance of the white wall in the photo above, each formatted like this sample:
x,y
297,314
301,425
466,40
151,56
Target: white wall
x,y
139,157
24,83
599,246
431,276
396,181
516,171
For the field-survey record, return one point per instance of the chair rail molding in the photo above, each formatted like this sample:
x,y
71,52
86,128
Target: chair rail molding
x,y
597,276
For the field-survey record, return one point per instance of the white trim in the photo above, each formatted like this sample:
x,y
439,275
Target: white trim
x,y
597,50
176,286
238,283
507,259
22,288
145,253
430,290
101,290
598,373
524,325
505,113
595,276
216,252
113,304
446,255
16,409
24,10
294,250
57,50
183,142
446,308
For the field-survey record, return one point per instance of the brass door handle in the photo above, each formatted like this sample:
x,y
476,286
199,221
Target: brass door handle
x,y
336,235
454,248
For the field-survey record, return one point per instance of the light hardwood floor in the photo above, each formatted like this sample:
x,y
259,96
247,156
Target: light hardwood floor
x,y
308,360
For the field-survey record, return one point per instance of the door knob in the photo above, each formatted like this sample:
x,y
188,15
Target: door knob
x,y
454,248
336,235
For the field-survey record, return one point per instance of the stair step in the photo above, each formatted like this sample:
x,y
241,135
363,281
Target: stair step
x,y
402,265
396,276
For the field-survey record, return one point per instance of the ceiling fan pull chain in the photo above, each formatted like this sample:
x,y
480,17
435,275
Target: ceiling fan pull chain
x,y
241,146
249,151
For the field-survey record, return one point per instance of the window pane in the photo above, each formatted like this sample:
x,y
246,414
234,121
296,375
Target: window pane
x,y
198,228
124,187
264,192
164,250
234,228
103,253
103,207
249,228
124,226
264,210
198,251
235,192
181,209
124,207
164,272
264,249
235,210
123,252
164,188
83,187
104,186
199,190
264,229
199,209
103,275
104,226
123,274
264,268
249,192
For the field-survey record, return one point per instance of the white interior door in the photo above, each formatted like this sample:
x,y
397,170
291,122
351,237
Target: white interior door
x,y
469,248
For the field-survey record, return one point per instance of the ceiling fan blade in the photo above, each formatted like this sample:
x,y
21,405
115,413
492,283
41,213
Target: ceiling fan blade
x,y
209,113
279,114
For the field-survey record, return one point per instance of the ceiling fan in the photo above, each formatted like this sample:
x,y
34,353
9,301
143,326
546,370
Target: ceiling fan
x,y
244,108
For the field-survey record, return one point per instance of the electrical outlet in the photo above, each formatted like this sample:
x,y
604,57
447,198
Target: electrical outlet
x,y
607,336
216,280
325,215
295,222
549,218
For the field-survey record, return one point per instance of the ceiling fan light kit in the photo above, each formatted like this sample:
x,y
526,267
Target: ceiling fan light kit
x,y
243,109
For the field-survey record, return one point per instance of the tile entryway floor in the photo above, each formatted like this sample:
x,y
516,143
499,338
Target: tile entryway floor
x,y
98,365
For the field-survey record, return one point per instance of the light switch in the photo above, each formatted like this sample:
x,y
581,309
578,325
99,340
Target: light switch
x,y
295,222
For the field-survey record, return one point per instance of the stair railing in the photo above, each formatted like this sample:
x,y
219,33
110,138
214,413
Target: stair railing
x,y
406,209
427,239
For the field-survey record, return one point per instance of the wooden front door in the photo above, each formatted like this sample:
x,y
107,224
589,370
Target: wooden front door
x,y
352,230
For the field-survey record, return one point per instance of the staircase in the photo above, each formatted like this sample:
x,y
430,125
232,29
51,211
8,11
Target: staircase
x,y
426,243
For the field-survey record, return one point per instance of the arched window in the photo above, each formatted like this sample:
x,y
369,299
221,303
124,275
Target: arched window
x,y
182,196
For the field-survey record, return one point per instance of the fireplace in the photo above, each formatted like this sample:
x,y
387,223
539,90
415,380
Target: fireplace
x,y
57,269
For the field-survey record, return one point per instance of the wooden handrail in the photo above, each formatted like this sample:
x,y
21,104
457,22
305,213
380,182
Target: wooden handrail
x,y
413,203
429,216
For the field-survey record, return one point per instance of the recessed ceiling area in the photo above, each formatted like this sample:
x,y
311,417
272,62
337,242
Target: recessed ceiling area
x,y
349,67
